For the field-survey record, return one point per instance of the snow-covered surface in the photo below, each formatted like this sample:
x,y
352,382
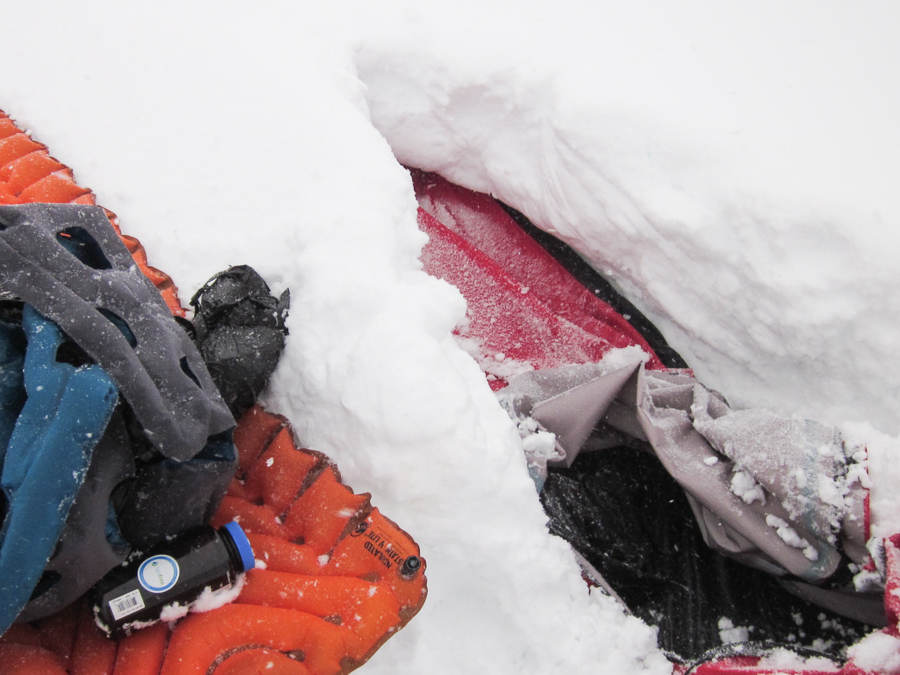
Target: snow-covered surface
x,y
787,661
732,168
729,633
878,653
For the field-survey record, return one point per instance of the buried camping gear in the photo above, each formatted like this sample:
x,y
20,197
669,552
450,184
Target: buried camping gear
x,y
339,577
107,371
336,579
783,496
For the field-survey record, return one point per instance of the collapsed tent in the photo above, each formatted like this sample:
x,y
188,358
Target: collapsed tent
x,y
114,436
523,318
672,464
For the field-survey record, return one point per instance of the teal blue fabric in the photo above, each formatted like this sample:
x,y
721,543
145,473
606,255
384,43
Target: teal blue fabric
x,y
49,450
12,386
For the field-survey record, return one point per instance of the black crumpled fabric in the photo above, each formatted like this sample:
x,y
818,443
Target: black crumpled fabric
x,y
623,512
240,331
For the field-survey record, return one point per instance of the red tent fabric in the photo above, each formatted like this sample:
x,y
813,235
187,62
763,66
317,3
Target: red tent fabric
x,y
525,309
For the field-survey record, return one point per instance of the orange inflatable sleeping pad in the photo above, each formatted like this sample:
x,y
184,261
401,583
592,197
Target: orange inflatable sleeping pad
x,y
334,577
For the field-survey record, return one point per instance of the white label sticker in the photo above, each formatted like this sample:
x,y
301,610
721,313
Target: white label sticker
x,y
158,574
126,604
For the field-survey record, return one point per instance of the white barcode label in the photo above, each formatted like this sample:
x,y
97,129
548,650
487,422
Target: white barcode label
x,y
126,604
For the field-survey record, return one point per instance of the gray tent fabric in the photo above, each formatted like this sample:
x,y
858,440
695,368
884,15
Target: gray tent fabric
x,y
781,495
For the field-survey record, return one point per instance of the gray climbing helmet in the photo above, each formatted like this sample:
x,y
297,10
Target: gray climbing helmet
x,y
68,263
112,433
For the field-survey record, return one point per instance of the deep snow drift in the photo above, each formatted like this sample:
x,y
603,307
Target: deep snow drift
x,y
731,170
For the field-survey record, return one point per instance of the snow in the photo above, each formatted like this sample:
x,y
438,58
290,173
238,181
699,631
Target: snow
x,y
878,653
790,537
729,633
732,168
745,487
787,661
211,599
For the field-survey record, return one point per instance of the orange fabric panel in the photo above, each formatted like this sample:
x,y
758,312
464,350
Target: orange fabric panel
x,y
280,555
7,126
53,189
322,513
58,632
254,518
238,490
21,173
377,550
20,659
142,653
15,146
22,634
253,434
261,662
93,652
7,197
200,639
365,609
279,473
333,556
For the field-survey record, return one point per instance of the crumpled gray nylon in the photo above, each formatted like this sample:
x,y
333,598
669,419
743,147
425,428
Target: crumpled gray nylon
x,y
702,443
176,412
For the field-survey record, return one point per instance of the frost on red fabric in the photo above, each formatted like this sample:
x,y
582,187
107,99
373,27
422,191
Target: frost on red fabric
x,y
523,305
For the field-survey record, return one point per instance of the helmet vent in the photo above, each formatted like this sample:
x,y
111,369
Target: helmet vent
x,y
186,369
79,242
119,323
69,352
